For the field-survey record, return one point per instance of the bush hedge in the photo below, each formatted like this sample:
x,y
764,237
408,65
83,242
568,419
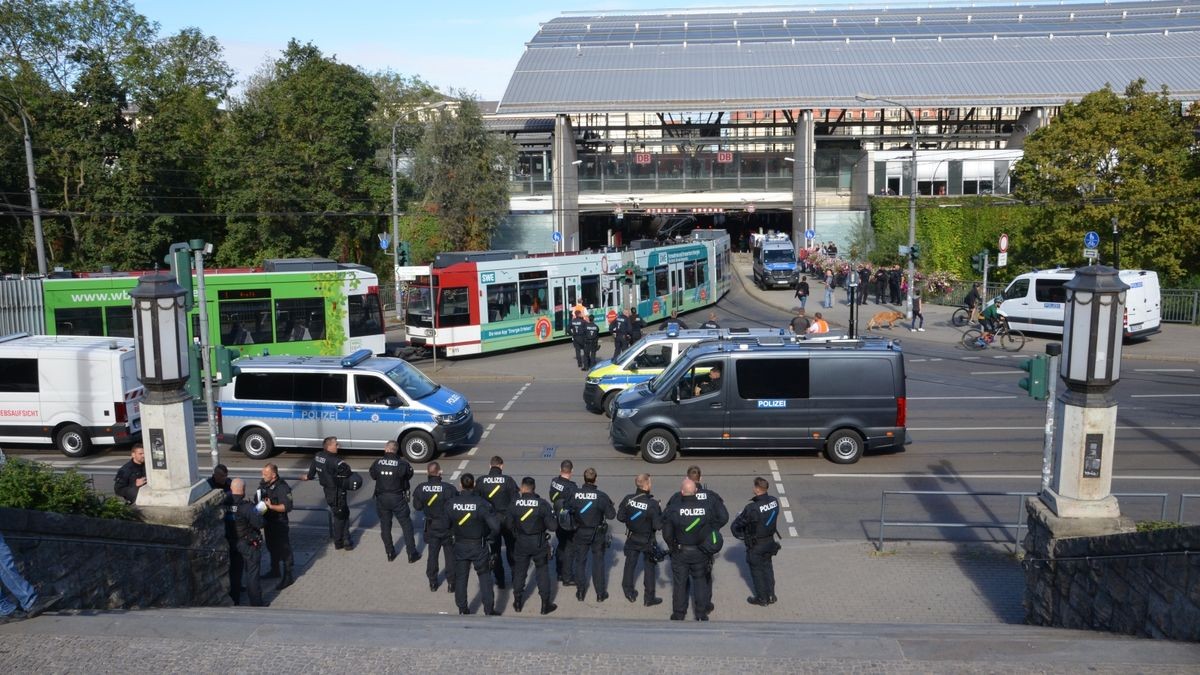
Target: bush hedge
x,y
35,486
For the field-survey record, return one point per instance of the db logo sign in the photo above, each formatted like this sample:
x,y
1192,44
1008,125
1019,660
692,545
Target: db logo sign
x,y
703,294
542,329
724,157
611,316
657,307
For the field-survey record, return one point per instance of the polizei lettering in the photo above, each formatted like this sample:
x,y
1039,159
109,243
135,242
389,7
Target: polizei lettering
x,y
692,512
768,506
317,415
463,507
433,488
527,502
639,505
590,496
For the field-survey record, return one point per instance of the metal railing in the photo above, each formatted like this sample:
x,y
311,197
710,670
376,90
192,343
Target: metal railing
x,y
1016,525
1183,500
1180,305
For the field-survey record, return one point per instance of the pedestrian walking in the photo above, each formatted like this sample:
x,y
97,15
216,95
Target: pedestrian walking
x,y
757,526
248,520
392,476
562,490
25,602
575,330
431,498
131,477
690,532
592,509
277,495
499,489
473,524
828,301
802,291
800,323
918,318
642,516
531,519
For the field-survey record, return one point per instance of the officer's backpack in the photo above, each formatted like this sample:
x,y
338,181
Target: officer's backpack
x,y
712,543
565,520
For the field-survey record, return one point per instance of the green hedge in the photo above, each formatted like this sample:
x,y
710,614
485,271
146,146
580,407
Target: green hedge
x,y
35,486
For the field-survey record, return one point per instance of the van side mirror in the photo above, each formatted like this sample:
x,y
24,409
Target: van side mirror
x,y
633,366
392,401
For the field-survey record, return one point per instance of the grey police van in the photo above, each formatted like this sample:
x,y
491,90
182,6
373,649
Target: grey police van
x,y
844,397
363,399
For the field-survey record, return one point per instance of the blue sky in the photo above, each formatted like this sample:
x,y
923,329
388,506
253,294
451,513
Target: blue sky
x,y
461,44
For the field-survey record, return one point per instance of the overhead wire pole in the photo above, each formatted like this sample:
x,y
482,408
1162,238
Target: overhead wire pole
x,y
395,225
33,195
912,197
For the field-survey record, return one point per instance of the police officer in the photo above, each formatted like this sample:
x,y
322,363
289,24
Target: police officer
x,y
324,468
431,498
531,519
706,496
562,489
679,323
499,489
635,327
712,321
392,475
575,330
220,481
591,341
757,526
643,517
591,509
473,523
248,521
619,327
686,524
277,495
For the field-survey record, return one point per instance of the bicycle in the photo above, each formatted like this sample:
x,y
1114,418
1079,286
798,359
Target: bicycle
x,y
1010,339
963,316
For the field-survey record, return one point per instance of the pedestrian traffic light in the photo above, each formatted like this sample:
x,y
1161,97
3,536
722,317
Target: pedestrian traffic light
x,y
978,261
630,274
1038,382
402,254
223,358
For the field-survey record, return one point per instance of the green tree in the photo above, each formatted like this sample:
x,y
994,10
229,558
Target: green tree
x,y
1129,157
462,171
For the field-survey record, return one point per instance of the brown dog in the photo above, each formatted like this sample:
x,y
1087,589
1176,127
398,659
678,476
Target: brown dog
x,y
890,317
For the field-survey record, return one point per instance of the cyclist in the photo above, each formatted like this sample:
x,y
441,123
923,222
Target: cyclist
x,y
972,299
991,317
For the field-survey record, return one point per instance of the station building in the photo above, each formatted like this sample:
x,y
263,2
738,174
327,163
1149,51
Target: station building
x,y
640,124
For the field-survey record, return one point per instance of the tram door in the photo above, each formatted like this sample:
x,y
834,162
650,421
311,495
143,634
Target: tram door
x,y
676,284
564,292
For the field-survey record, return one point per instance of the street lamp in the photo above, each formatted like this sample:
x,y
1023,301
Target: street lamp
x,y
912,196
33,195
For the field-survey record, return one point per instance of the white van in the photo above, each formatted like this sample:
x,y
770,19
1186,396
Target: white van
x,y
69,390
1035,302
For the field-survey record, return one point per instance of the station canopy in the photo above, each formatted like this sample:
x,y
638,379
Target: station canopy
x,y
941,56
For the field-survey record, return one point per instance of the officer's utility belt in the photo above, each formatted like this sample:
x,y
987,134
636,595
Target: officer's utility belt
x,y
685,547
403,495
470,541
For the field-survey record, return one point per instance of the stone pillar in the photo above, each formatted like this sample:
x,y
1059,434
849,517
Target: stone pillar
x,y
564,182
803,199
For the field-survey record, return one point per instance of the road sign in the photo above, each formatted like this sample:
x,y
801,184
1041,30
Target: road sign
x,y
1090,253
1091,240
1003,244
411,272
810,234
556,236
1002,258
384,241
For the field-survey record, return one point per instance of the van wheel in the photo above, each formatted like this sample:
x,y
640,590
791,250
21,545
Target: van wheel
x,y
73,441
658,446
418,447
844,446
610,403
257,443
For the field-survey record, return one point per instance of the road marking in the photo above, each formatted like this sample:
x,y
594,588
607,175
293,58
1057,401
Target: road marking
x,y
1001,356
491,426
784,501
485,401
787,515
463,464
996,372
773,464
471,452
779,489
977,476
1043,427
935,359
916,360
499,416
1164,370
775,475
792,532
1164,395
971,358
956,398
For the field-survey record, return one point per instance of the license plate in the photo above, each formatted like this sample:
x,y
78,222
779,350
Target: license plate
x,y
1136,326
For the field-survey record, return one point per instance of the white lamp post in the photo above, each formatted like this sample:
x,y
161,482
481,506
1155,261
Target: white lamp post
x,y
1081,484
168,431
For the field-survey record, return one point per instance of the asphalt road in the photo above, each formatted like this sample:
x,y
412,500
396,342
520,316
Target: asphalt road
x,y
973,430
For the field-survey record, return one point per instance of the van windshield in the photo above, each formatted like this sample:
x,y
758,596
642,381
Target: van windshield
x,y
633,349
779,255
412,382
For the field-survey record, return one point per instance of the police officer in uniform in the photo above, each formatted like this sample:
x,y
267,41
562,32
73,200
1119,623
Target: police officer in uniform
x,y
717,507
531,520
431,498
392,475
591,509
757,526
220,481
248,521
643,517
473,524
591,341
575,330
686,524
620,329
499,489
712,321
277,495
344,481
636,324
562,489
324,468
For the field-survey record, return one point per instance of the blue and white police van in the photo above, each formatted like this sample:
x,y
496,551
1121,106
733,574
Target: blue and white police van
x,y
362,399
774,261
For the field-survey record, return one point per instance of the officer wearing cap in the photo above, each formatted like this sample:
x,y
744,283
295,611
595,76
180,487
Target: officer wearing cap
x,y
757,525
431,498
473,524
499,489
392,475
642,517
531,520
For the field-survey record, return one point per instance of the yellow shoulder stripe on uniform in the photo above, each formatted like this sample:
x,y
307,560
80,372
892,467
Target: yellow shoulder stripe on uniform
x,y
526,515
494,491
464,519
432,499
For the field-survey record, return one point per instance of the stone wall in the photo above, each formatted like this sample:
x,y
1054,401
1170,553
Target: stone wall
x,y
178,558
1137,583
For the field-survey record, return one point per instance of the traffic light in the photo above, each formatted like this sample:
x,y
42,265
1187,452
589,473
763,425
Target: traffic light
x,y
630,274
223,358
195,383
402,254
914,251
1038,382
179,258
978,261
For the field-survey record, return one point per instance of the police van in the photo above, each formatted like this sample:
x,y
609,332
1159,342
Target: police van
x,y
774,261
842,396
1036,302
69,390
363,400
649,357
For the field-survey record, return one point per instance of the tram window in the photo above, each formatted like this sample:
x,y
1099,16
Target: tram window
x,y
533,297
701,272
119,321
299,319
501,301
662,285
454,307
245,322
366,315
689,275
644,289
590,287
612,293
720,267
82,321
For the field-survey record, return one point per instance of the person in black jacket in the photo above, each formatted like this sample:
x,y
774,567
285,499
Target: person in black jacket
x,y
643,517
591,342
680,324
562,489
575,330
324,468
132,475
248,521
344,482
757,525
392,476
431,498
220,481
499,489
473,523
591,509
636,325
619,327
277,495
719,513
687,522
531,519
